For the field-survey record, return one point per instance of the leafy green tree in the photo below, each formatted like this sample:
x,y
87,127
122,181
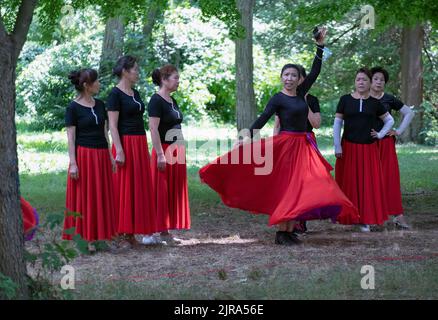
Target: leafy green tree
x,y
411,16
15,20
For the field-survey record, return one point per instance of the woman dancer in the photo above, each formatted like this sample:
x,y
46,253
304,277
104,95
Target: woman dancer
x,y
299,186
388,154
169,169
358,167
313,121
135,201
90,195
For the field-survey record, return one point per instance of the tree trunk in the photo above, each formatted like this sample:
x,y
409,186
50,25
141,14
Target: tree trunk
x,y
246,110
144,46
412,79
112,47
149,23
12,263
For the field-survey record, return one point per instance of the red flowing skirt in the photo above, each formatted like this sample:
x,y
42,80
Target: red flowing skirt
x,y
391,175
171,190
313,137
90,199
133,187
359,174
30,219
283,176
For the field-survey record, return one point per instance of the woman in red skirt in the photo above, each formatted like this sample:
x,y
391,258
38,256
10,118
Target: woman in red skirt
x,y
359,171
30,219
135,201
169,169
293,183
90,196
388,154
313,121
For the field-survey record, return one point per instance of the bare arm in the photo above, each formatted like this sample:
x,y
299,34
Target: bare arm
x,y
71,138
109,146
314,119
277,126
154,122
113,117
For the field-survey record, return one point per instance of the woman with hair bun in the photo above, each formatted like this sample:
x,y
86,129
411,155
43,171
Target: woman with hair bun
x,y
135,200
298,187
388,154
359,170
169,169
90,196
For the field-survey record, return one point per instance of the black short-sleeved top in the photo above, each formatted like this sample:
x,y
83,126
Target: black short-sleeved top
x,y
358,124
89,123
170,116
131,110
390,103
292,110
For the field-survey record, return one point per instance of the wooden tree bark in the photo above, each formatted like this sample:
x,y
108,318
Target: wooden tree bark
x,y
412,78
12,263
152,16
155,10
112,47
246,111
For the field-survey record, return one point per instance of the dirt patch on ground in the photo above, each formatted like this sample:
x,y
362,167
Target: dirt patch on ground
x,y
235,243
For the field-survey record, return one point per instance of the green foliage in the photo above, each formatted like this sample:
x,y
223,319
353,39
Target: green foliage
x,y
49,14
8,288
198,42
429,133
221,108
43,89
389,13
50,255
227,12
200,50
8,13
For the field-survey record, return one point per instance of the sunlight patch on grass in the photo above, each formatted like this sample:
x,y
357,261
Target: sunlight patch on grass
x,y
42,162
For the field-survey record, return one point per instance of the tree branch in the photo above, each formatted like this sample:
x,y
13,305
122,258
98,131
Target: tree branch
x,y
427,42
22,24
344,33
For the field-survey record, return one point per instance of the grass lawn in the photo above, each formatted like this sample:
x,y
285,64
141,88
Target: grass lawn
x,y
229,254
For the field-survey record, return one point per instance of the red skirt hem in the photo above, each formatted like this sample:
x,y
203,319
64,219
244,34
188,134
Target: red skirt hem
x,y
391,175
298,187
135,203
90,199
171,189
359,174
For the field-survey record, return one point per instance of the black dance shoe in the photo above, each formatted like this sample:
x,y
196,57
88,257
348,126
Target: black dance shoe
x,y
283,238
294,238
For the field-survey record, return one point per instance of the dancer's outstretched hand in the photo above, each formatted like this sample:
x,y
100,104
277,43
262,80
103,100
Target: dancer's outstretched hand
x,y
321,40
